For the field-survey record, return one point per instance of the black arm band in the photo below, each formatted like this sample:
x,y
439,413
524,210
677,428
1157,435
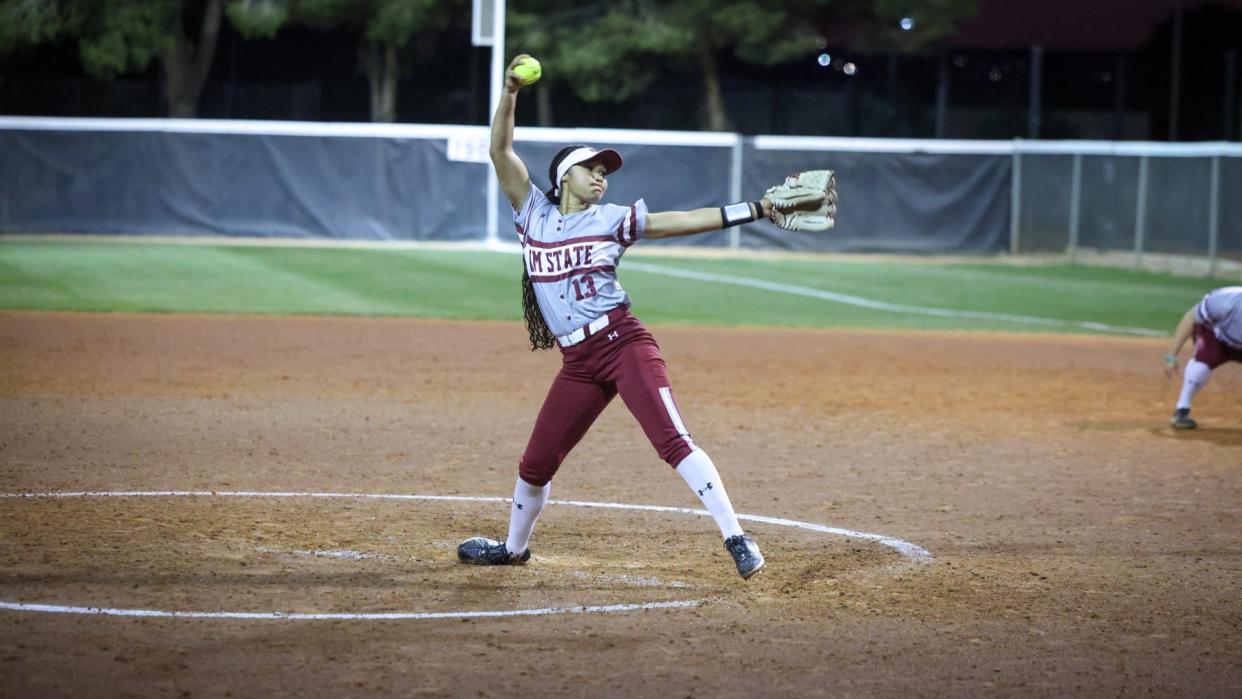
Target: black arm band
x,y
741,212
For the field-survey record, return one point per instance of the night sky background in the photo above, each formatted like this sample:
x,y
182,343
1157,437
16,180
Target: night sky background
x,y
1107,69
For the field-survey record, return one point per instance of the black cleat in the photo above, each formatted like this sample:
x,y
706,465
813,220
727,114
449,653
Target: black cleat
x,y
1182,420
486,552
745,554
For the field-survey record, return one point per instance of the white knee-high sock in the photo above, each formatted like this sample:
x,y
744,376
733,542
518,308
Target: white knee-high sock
x,y
700,474
1193,378
528,502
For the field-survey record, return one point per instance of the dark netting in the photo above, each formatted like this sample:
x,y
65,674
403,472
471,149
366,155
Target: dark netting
x,y
895,197
1229,245
1109,187
893,202
1044,206
1177,205
238,185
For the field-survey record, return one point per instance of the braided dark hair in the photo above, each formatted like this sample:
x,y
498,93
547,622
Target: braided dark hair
x,y
541,336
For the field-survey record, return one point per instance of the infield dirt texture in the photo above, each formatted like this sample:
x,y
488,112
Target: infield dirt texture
x,y
1079,545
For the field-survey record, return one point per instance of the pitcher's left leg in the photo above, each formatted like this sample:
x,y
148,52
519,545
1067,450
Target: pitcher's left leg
x,y
641,378
638,371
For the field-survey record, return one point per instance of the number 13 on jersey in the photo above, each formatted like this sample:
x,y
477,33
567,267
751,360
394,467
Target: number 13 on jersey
x,y
587,283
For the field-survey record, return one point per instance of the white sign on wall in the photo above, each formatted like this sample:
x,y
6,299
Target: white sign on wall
x,y
468,149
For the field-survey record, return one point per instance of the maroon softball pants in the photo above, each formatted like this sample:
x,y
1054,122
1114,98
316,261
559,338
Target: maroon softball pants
x,y
1210,350
622,358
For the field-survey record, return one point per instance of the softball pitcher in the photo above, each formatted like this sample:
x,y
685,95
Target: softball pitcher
x,y
1216,324
571,246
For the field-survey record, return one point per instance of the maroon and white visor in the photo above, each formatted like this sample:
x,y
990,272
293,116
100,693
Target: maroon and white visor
x,y
609,158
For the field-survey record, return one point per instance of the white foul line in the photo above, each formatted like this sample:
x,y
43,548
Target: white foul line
x,y
911,551
884,305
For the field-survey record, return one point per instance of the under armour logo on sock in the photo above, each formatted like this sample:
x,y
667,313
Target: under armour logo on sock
x,y
613,335
519,505
709,487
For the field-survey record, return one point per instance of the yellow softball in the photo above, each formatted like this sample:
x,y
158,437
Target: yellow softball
x,y
528,71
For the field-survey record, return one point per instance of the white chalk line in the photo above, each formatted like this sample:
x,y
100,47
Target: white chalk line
x,y
349,616
352,555
334,553
635,580
905,548
884,305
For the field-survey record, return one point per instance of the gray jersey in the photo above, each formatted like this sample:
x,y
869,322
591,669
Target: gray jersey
x,y
572,258
1221,310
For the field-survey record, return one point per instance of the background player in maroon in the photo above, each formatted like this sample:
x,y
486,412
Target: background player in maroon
x,y
1216,325
571,246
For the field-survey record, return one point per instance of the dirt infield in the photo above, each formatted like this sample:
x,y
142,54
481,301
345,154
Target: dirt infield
x,y
1079,545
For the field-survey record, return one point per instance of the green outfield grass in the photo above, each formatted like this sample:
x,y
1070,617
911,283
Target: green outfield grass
x,y
150,277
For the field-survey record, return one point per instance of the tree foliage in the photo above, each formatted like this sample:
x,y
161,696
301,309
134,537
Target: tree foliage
x,y
26,23
125,36
384,27
113,37
391,22
613,51
935,23
875,26
387,22
606,53
604,50
258,19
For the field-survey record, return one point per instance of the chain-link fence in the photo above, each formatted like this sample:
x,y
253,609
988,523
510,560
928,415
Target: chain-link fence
x,y
1133,203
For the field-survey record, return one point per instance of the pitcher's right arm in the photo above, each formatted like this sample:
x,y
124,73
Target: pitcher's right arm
x,y
510,170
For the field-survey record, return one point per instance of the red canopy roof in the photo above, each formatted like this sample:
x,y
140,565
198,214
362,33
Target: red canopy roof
x,y
1094,25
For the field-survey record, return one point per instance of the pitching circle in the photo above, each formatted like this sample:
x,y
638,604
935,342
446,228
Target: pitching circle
x,y
910,551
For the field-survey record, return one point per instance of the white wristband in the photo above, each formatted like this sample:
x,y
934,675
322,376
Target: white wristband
x,y
734,214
